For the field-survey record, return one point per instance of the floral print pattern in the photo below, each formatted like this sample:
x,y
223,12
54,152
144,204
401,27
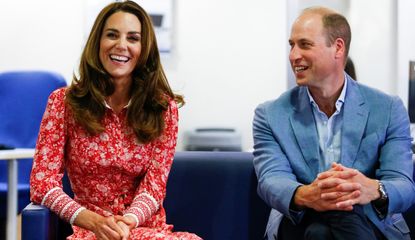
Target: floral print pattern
x,y
111,173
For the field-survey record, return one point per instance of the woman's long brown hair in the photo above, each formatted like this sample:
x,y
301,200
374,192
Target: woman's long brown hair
x,y
150,90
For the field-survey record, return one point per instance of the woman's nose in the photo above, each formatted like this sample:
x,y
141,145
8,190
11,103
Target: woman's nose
x,y
121,44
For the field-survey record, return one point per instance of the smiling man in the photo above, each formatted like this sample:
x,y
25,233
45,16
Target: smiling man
x,y
332,156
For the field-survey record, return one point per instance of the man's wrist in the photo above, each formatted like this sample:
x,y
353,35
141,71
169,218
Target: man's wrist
x,y
297,202
383,195
381,203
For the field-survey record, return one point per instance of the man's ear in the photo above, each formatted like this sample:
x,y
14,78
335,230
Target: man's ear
x,y
340,48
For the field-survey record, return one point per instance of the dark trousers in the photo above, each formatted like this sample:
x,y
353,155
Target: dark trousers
x,y
335,225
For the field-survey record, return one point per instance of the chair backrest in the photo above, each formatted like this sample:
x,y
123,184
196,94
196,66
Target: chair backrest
x,y
23,98
214,194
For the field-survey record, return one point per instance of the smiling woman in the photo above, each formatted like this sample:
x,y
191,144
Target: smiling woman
x,y
120,46
114,131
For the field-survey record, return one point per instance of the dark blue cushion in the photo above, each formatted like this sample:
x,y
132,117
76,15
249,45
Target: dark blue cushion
x,y
213,194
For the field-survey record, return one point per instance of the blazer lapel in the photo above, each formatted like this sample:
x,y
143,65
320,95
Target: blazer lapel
x,y
304,128
355,114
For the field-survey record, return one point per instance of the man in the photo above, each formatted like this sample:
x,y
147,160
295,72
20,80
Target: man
x,y
333,157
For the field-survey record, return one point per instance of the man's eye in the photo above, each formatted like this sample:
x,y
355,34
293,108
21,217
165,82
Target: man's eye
x,y
306,44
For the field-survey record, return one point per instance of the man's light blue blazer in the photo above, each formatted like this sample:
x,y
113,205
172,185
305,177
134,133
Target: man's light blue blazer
x,y
375,140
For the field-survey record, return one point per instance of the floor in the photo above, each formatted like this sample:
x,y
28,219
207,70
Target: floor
x,y
19,227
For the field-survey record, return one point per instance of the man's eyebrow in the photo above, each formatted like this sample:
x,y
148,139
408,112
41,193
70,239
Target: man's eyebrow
x,y
304,40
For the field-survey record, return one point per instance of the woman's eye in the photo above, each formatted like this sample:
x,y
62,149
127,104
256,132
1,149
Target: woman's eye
x,y
111,35
134,38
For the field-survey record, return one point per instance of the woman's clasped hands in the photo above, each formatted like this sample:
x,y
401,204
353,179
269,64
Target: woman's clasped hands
x,y
114,227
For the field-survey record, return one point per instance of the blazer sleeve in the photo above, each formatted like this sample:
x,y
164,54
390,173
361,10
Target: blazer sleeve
x,y
396,167
276,180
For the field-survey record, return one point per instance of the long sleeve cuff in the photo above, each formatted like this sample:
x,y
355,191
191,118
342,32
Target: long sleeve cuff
x,y
61,204
381,208
296,216
143,207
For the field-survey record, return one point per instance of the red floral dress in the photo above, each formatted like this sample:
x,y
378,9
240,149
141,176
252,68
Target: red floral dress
x,y
110,173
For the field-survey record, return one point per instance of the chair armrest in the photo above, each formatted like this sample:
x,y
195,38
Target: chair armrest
x,y
38,223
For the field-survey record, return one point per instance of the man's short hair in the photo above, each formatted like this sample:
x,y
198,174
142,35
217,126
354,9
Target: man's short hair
x,y
334,24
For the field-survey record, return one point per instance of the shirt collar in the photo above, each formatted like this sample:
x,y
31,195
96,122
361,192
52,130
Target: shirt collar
x,y
339,100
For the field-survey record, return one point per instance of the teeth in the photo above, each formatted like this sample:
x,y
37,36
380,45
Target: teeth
x,y
119,58
299,69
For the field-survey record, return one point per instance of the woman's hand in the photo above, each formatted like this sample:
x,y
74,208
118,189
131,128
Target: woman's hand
x,y
104,228
125,228
126,223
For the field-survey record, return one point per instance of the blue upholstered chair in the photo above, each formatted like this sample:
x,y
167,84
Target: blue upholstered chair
x,y
23,98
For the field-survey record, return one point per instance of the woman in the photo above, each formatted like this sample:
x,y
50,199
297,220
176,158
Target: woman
x,y
114,131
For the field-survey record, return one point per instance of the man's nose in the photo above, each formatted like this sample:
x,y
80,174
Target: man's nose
x,y
294,54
